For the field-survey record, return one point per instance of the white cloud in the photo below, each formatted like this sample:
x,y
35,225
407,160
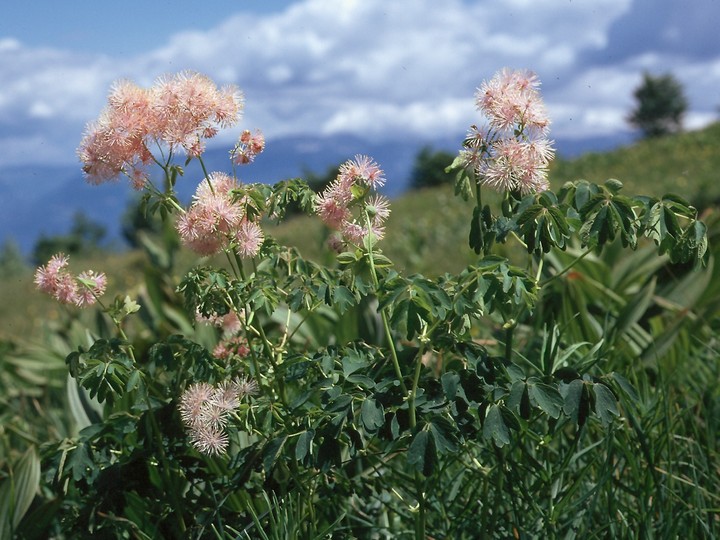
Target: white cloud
x,y
370,67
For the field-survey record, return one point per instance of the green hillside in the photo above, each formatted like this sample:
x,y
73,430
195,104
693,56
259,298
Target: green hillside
x,y
687,164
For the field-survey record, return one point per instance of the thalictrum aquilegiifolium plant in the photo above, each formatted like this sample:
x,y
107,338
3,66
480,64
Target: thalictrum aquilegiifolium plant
x,y
401,425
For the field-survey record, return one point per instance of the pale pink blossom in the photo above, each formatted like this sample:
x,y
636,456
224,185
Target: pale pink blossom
x,y
226,396
211,441
363,170
513,153
179,111
231,347
205,410
93,286
192,402
213,217
331,210
511,98
249,238
352,190
249,146
245,387
82,290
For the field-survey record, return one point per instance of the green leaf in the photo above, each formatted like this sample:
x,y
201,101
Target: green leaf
x,y
304,443
547,397
450,382
372,415
625,385
635,308
18,491
494,426
421,454
272,451
444,434
605,403
343,298
577,402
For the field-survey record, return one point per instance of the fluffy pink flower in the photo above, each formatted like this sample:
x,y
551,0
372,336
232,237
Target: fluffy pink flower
x,y
363,170
93,286
331,210
211,441
192,402
213,217
180,111
230,347
82,290
249,238
513,154
188,106
249,145
511,98
356,178
205,410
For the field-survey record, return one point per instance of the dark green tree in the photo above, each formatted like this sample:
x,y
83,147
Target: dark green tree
x,y
85,235
11,260
429,169
661,104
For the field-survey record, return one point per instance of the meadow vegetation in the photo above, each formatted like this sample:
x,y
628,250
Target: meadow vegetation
x,y
579,401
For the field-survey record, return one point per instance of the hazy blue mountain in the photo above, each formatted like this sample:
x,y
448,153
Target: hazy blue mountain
x,y
37,199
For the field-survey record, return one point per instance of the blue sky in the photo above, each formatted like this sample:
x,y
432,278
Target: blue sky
x,y
377,68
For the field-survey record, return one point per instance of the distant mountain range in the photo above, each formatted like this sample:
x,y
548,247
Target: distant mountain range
x,y
40,200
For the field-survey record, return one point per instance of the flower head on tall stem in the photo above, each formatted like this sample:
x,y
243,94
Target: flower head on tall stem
x,y
352,190
178,112
514,152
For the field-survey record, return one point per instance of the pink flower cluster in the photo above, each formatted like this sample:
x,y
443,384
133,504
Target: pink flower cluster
x,y
514,152
179,111
81,290
205,409
248,146
231,344
216,219
355,180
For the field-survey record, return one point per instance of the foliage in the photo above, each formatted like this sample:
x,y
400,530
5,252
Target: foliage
x,y
12,263
514,397
660,106
685,163
85,236
429,168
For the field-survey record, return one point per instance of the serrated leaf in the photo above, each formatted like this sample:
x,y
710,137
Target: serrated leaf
x,y
343,298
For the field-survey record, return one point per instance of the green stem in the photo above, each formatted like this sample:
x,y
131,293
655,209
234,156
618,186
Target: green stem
x,y
420,520
267,346
172,491
509,340
568,267
383,316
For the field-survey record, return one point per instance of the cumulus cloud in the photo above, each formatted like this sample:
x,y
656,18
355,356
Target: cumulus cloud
x,y
382,69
